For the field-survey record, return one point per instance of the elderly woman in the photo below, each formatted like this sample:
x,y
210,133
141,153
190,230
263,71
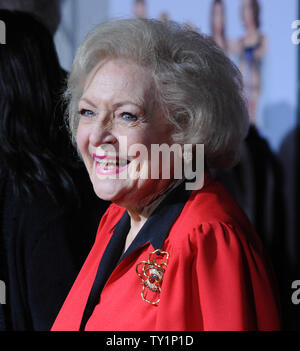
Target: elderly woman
x,y
165,258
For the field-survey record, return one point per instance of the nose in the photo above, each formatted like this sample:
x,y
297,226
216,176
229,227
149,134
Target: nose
x,y
102,133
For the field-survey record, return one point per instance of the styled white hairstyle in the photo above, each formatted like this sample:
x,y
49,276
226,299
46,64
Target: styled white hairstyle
x,y
198,87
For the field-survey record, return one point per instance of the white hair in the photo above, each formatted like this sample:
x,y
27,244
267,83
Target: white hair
x,y
199,88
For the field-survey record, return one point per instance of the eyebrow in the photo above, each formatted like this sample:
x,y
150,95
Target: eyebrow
x,y
118,104
88,101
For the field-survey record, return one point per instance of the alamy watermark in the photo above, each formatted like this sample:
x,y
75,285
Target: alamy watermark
x,y
296,294
160,161
2,293
2,32
296,34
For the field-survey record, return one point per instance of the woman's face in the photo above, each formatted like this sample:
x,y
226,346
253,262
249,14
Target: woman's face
x,y
118,111
247,14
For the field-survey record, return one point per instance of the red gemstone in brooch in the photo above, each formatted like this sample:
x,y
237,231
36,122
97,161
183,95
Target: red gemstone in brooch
x,y
151,273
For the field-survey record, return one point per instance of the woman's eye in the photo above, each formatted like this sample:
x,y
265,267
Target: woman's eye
x,y
86,113
129,117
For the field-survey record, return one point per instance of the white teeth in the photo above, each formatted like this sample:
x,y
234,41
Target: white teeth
x,y
110,164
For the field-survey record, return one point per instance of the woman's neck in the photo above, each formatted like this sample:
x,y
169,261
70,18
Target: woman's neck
x,y
138,216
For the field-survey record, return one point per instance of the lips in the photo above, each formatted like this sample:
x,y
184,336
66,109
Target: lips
x,y
107,165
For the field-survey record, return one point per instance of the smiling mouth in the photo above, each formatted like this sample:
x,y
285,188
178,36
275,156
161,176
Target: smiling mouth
x,y
109,163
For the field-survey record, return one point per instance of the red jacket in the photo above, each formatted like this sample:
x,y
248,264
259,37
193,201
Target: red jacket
x,y
216,276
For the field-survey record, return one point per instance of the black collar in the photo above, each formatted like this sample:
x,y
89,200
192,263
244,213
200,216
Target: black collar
x,y
157,226
155,231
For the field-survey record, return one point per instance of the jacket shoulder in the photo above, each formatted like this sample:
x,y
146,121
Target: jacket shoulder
x,y
213,211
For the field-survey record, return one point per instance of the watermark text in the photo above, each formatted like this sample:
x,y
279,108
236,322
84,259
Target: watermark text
x,y
2,32
2,293
296,34
160,161
296,293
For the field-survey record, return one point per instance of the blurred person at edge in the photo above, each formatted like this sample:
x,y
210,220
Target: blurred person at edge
x,y
165,257
47,12
46,198
252,49
218,29
140,8
217,23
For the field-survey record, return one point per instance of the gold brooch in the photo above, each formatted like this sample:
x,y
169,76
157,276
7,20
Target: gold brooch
x,y
151,272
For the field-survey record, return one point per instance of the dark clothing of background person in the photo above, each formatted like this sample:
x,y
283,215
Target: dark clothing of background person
x,y
45,248
2,319
48,211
